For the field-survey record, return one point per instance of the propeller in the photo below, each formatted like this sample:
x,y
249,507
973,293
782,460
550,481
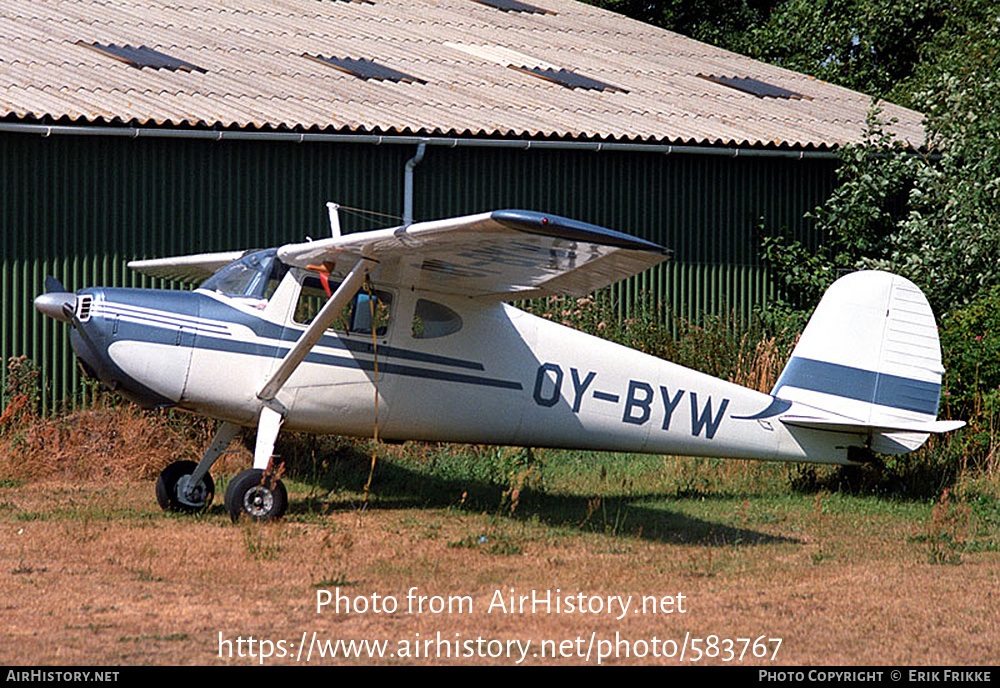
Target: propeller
x,y
56,302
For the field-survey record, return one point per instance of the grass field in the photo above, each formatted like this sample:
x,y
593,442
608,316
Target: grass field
x,y
735,562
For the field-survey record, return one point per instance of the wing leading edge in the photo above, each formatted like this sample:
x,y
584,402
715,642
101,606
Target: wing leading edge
x,y
509,254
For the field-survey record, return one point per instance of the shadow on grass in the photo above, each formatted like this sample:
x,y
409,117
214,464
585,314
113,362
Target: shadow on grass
x,y
336,484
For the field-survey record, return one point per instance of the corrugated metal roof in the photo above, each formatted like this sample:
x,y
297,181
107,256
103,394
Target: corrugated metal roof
x,y
257,73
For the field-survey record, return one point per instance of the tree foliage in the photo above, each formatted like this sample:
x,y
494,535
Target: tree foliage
x,y
872,46
719,22
933,217
950,240
856,224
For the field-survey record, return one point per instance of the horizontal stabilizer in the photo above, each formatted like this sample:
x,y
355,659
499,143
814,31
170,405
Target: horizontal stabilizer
x,y
849,425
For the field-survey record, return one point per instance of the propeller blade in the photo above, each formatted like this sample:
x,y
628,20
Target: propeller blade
x,y
52,285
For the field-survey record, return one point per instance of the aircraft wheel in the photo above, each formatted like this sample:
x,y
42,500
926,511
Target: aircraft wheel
x,y
172,484
250,494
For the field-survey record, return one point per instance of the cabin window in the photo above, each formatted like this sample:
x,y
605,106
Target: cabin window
x,y
355,318
432,320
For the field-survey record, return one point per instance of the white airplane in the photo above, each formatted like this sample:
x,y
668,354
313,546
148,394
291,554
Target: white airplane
x,y
409,329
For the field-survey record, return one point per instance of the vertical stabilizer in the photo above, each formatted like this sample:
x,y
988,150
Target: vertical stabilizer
x,y
870,358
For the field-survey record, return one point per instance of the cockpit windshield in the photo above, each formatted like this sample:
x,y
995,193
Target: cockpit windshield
x,y
255,276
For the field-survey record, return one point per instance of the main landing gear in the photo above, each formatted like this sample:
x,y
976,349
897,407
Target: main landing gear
x,y
255,493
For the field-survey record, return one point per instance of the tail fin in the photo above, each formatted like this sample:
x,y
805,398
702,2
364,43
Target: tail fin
x,y
869,361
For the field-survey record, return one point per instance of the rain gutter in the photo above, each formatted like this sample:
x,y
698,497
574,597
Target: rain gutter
x,y
409,140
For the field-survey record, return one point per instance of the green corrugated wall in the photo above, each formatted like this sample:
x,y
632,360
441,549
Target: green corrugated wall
x,y
79,207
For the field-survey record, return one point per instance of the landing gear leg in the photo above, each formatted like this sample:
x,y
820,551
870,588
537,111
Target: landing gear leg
x,y
267,434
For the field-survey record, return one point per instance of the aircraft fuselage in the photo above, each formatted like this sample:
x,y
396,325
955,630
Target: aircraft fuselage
x,y
490,373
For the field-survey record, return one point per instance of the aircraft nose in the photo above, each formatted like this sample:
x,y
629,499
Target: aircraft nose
x,y
59,305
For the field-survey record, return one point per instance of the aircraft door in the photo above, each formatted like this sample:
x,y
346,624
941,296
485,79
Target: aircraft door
x,y
335,387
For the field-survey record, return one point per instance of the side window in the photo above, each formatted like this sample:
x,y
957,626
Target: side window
x,y
355,318
431,320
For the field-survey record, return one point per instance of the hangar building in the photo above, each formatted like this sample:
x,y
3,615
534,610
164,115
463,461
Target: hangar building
x,y
135,128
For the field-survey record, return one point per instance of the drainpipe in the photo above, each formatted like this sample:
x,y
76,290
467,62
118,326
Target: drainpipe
x,y
408,184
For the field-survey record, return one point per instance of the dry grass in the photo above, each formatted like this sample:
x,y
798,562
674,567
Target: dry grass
x,y
91,572
98,578
103,442
114,443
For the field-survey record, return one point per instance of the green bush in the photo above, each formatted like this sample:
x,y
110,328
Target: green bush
x,y
970,344
638,325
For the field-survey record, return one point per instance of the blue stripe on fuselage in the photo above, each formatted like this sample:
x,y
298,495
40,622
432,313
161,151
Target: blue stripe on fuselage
x,y
204,307
152,331
214,310
775,408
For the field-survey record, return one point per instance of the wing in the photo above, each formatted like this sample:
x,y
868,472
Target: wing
x,y
193,269
509,254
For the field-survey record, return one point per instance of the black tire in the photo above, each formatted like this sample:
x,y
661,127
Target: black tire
x,y
167,484
249,496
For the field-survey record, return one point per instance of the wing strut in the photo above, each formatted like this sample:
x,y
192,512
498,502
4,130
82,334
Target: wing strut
x,y
272,413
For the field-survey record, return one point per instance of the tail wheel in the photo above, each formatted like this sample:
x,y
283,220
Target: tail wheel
x,y
174,491
253,495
